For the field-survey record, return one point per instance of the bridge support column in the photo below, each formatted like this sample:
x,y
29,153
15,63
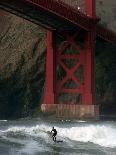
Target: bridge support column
x,y
70,92
89,75
89,72
49,98
90,7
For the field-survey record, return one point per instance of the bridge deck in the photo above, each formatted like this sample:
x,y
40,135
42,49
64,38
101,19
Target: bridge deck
x,y
59,12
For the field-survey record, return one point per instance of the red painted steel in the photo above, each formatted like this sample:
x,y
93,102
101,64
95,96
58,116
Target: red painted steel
x,y
49,88
67,12
86,21
89,89
90,7
84,57
70,72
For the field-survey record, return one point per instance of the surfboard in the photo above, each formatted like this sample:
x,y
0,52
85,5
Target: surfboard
x,y
57,141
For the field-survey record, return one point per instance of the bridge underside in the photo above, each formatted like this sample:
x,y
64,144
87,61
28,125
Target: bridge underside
x,y
51,20
37,15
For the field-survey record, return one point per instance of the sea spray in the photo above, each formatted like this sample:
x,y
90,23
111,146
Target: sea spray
x,y
103,135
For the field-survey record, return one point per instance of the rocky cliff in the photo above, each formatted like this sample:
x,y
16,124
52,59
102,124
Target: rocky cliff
x,y
22,65
106,10
106,59
22,61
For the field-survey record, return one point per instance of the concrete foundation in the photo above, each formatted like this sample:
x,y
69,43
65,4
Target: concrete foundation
x,y
71,111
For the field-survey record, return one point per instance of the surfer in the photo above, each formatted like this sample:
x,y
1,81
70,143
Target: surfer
x,y
54,134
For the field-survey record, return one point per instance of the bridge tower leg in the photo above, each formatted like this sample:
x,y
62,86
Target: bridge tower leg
x,y
70,72
90,7
89,72
49,98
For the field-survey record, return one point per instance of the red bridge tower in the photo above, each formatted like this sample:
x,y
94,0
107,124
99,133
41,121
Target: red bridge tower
x,y
70,71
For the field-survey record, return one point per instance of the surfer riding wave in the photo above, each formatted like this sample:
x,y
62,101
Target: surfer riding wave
x,y
54,131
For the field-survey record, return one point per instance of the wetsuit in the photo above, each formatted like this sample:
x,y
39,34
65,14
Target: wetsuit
x,y
54,134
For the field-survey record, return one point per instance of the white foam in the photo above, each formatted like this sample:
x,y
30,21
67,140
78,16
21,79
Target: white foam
x,y
3,120
38,130
81,121
33,147
103,135
14,140
30,146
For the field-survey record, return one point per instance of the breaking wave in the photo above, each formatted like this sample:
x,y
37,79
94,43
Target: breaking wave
x,y
103,135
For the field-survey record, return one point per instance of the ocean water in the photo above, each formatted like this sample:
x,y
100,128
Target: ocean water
x,y
30,137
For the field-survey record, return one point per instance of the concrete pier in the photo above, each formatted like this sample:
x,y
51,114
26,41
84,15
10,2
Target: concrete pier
x,y
71,111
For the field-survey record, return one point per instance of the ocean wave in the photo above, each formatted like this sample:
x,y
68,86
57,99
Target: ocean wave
x,y
3,120
103,135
